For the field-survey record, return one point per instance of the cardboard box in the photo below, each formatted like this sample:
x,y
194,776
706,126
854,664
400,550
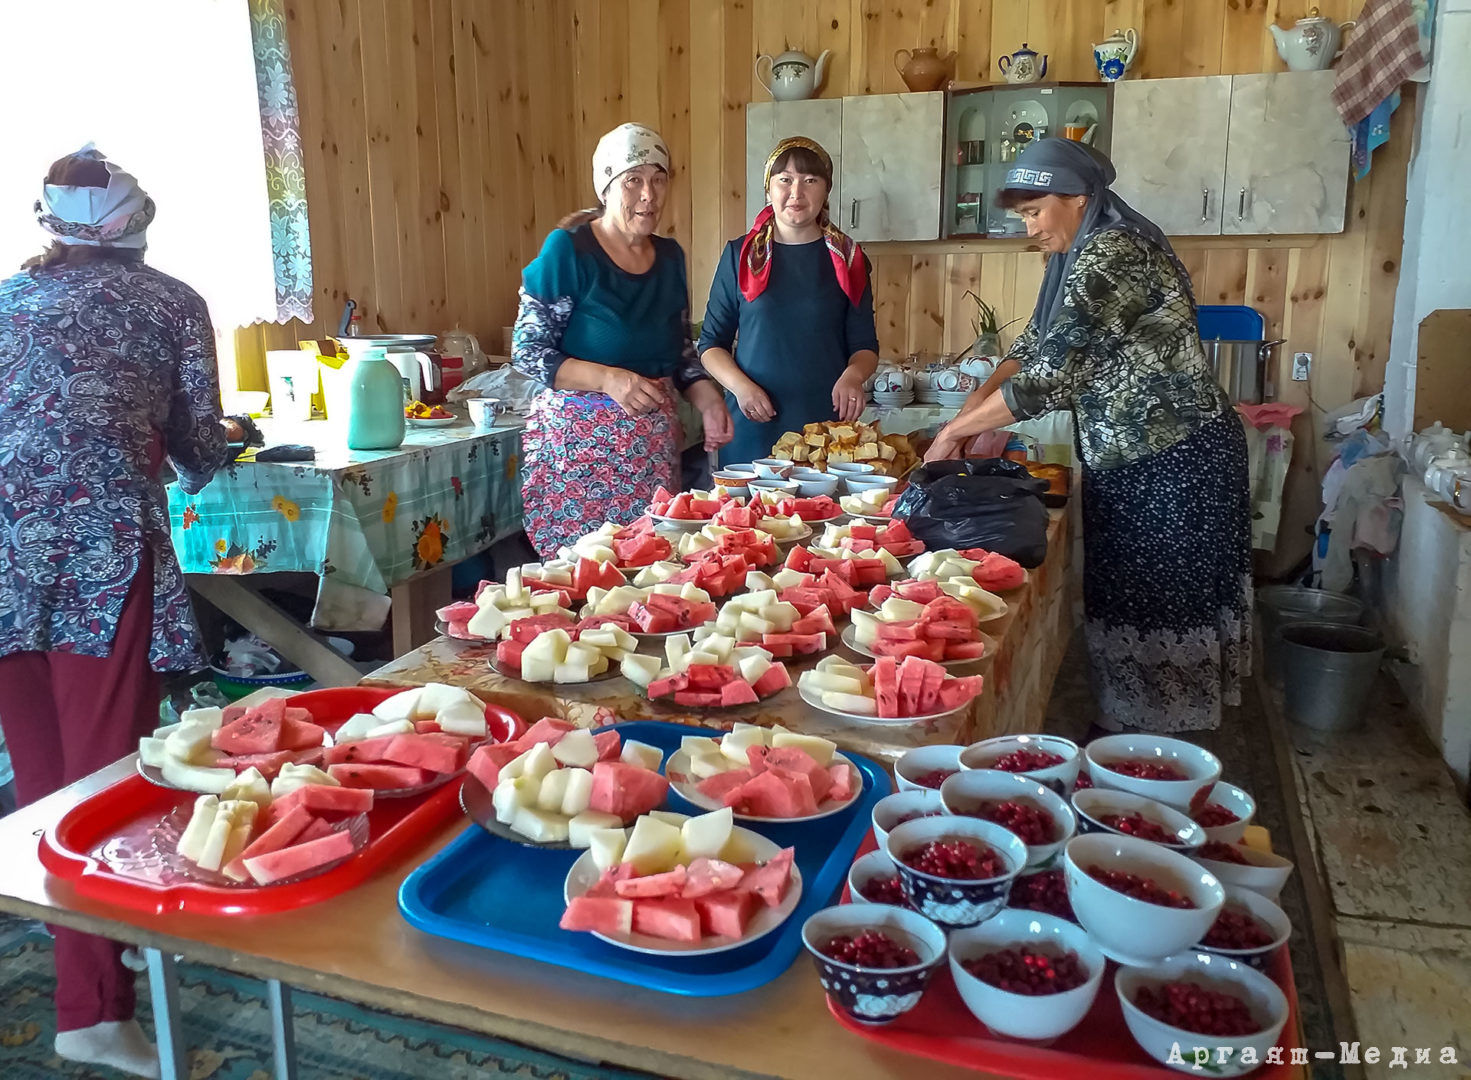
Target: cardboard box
x,y
1443,370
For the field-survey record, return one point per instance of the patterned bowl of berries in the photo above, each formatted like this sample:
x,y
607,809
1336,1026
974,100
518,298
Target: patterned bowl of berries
x,y
1237,864
1227,812
874,960
1026,975
1204,1008
927,766
1250,928
1028,808
1141,902
956,870
1127,814
1048,759
904,806
1170,771
874,879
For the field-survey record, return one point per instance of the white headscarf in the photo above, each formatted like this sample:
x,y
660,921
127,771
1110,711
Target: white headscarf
x,y
624,148
115,216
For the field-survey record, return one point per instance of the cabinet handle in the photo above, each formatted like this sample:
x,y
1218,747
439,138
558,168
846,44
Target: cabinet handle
x,y
853,215
1241,206
1205,202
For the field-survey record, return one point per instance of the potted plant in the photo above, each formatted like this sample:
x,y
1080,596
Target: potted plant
x,y
987,330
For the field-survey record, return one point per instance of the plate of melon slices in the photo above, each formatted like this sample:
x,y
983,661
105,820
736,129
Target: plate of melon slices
x,y
849,638
686,783
663,903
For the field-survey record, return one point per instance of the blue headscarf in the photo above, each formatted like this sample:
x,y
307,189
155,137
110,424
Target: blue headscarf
x,y
1068,167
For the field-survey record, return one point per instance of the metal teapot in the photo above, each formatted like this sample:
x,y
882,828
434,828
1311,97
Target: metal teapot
x,y
792,76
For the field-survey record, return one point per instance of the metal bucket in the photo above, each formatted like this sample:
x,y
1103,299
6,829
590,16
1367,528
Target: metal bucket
x,y
1283,605
1328,670
1241,368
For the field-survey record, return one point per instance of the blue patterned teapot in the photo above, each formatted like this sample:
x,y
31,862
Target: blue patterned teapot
x,y
1022,67
1114,54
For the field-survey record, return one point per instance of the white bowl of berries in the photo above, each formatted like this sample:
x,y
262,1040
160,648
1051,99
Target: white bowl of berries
x,y
1236,864
1127,814
956,870
1048,759
874,879
1250,928
904,806
1197,1010
1028,808
1140,902
1227,812
1026,975
927,766
1170,771
874,960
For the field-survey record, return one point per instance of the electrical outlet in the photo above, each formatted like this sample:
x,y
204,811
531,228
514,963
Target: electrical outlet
x,y
1302,362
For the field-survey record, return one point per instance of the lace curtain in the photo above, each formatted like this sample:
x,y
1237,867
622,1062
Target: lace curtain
x,y
169,90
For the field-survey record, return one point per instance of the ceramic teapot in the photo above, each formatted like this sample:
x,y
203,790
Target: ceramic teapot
x,y
1113,55
1023,66
925,69
794,76
1312,44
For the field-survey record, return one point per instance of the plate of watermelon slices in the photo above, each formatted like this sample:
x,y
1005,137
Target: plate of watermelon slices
x,y
677,768
849,638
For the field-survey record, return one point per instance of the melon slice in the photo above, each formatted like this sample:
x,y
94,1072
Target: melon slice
x,y
299,858
599,914
671,918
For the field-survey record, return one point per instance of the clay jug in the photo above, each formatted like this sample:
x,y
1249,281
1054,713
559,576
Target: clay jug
x,y
925,69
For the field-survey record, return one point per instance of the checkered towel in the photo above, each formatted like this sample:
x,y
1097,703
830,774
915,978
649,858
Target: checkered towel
x,y
1383,51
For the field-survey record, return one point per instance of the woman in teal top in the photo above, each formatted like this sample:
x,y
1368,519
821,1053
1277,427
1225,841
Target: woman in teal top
x,y
604,326
789,326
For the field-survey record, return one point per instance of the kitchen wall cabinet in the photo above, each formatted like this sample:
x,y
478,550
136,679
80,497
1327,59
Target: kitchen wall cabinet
x,y
886,151
1233,154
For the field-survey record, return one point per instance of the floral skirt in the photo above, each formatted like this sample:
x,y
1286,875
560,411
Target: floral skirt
x,y
1167,582
586,461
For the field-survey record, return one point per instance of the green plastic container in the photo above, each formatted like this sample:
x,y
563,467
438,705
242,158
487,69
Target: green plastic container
x,y
375,402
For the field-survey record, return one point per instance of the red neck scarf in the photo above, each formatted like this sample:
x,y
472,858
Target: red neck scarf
x,y
755,267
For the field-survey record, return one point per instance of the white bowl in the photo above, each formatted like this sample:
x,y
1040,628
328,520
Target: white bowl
x,y
1201,767
1134,931
1239,803
781,487
1060,778
1265,873
851,468
774,468
1025,1016
953,902
874,995
965,789
875,864
924,759
744,469
1263,911
867,482
1092,804
888,810
814,482
1266,1001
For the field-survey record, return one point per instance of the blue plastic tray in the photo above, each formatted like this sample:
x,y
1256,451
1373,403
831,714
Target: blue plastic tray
x,y
500,895
1230,322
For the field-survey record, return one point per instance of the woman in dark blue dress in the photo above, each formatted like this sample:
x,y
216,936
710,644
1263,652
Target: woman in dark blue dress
x,y
789,326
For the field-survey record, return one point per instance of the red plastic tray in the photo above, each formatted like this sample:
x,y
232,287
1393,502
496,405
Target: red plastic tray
x,y
73,848
941,1028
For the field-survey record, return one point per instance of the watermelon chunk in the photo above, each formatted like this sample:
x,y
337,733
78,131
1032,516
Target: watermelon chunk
x,y
819,621
268,764
669,883
842,782
609,744
460,611
599,915
705,876
717,786
319,828
299,858
485,764
771,881
957,692
800,644
698,699
231,713
775,679
727,913
709,676
425,753
300,734
324,799
625,790
364,750
965,650
774,795
548,730
885,676
283,833
792,760
508,653
253,733
672,918
607,883
738,692
528,629
590,574
379,777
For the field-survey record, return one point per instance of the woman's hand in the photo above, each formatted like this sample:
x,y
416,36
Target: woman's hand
x,y
636,394
719,428
754,403
848,396
947,445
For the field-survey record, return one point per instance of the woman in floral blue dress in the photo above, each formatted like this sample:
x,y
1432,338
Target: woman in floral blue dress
x,y
107,367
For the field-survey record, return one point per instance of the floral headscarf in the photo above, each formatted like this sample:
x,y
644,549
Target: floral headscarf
x,y
626,147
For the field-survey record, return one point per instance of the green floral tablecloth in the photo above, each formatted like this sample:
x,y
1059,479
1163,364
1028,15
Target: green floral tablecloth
x,y
363,521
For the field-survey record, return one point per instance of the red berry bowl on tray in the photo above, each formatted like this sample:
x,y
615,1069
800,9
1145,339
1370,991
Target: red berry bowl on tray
x,y
1202,1008
1237,864
956,871
1226,813
874,879
1250,928
927,766
1048,759
1126,814
874,960
1140,902
904,806
1033,811
1171,771
1026,975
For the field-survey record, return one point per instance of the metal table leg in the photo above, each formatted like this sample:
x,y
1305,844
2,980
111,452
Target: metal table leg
x,y
163,983
283,1035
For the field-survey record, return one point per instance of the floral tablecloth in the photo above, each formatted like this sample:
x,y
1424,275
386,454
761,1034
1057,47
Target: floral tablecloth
x,y
363,521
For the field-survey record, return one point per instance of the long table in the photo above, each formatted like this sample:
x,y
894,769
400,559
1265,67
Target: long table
x,y
1022,661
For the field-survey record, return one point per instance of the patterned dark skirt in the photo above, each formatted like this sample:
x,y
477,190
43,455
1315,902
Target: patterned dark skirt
x,y
1167,582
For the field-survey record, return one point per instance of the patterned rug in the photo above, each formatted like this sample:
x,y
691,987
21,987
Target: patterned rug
x,y
228,1030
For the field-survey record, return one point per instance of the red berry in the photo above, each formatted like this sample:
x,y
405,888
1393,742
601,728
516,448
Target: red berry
x,y
1083,782
1145,769
1031,823
934,778
1026,761
1198,1009
1213,814
1027,970
1136,824
1045,891
1140,887
1221,851
962,860
870,949
885,890
1235,929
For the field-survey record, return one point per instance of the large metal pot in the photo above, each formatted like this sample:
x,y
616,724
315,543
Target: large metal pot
x,y
1284,605
1241,367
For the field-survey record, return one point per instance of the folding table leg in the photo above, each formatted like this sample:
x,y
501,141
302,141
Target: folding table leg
x,y
283,1035
163,982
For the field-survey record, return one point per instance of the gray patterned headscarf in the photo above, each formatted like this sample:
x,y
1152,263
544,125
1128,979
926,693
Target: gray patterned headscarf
x,y
626,147
115,216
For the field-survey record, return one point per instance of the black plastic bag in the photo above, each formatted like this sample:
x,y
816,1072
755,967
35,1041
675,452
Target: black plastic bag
x,y
988,503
